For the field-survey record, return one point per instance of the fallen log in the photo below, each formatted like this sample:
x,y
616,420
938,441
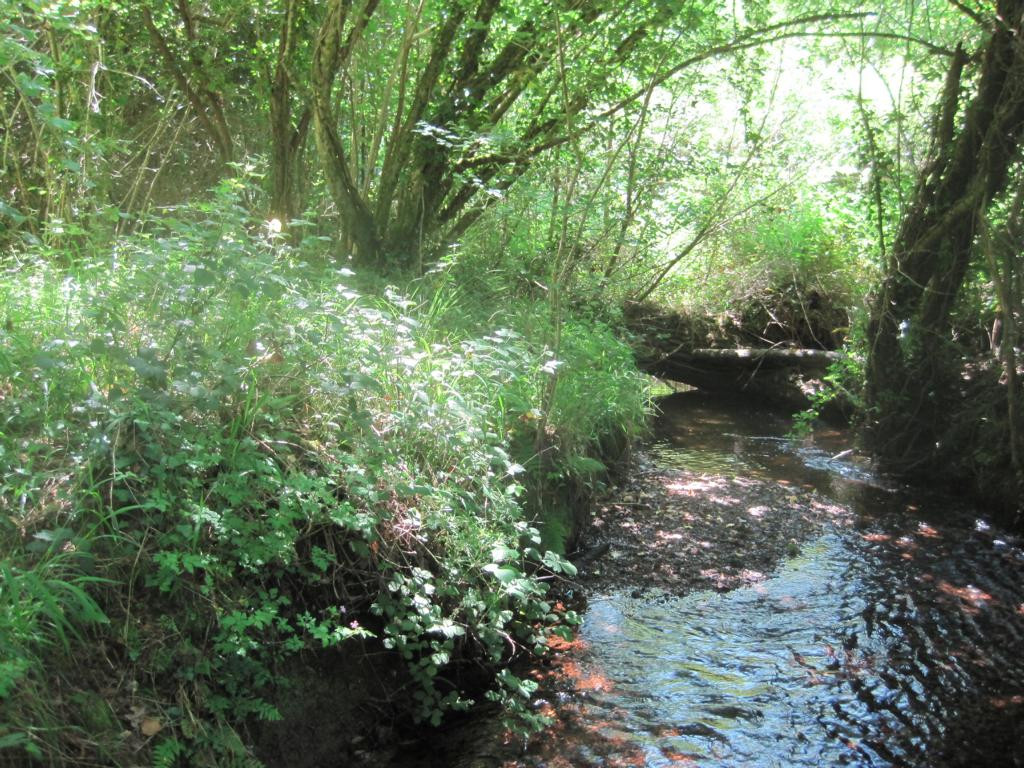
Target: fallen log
x,y
804,359
786,376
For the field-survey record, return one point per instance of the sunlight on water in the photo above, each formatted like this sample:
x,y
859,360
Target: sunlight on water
x,y
745,675
881,644
894,638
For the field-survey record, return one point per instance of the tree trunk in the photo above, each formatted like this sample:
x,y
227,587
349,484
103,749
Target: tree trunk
x,y
286,140
908,383
329,55
207,104
1001,253
286,148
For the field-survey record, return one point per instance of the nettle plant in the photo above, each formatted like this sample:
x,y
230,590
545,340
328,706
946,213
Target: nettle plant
x,y
263,462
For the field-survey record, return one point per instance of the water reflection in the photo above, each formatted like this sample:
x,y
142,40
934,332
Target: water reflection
x,y
869,648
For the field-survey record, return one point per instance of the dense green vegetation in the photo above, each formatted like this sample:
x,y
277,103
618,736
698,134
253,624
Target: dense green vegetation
x,y
313,346
223,457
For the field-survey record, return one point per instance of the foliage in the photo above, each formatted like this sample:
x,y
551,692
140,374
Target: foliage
x,y
788,265
840,393
44,158
406,122
221,451
233,458
915,364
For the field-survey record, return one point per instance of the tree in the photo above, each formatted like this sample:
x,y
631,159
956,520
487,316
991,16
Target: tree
x,y
973,150
287,136
413,155
425,114
193,72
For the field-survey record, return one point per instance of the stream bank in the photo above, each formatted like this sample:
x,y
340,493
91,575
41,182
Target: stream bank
x,y
767,602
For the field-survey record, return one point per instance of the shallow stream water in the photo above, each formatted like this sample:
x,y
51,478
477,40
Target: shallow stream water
x,y
891,637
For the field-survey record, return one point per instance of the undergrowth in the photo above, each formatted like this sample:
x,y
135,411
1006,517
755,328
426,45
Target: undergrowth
x,y
214,457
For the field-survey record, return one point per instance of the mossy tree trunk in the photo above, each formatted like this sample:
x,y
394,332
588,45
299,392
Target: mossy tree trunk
x,y
910,375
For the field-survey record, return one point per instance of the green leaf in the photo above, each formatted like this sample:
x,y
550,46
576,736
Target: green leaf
x,y
12,740
503,574
60,123
12,213
501,553
584,465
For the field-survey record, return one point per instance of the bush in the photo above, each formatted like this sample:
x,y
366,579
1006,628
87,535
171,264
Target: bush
x,y
788,274
216,457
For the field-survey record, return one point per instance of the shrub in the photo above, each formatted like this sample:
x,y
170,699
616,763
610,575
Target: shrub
x,y
233,458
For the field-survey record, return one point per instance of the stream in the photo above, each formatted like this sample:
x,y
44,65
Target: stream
x,y
887,632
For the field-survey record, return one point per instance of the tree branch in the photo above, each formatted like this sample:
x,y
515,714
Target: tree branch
x,y
328,54
970,13
756,37
215,127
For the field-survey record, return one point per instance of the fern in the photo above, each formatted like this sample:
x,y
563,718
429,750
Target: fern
x,y
166,753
